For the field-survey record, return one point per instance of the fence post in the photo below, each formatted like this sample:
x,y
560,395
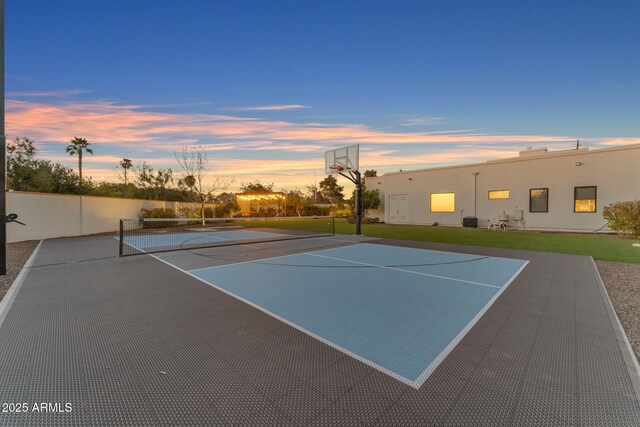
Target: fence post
x,y
121,237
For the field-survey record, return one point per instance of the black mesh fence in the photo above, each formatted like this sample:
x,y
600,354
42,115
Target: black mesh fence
x,y
151,235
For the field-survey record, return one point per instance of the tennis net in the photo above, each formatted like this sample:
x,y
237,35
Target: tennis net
x,y
152,235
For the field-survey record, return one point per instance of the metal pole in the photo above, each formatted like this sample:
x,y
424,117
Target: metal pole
x,y
475,192
121,238
356,178
3,156
358,202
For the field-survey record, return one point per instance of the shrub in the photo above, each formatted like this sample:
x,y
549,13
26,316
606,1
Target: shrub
x,y
227,210
340,212
158,213
189,213
435,224
351,219
196,213
624,217
314,210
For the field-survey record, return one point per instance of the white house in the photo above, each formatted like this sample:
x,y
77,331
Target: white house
x,y
539,189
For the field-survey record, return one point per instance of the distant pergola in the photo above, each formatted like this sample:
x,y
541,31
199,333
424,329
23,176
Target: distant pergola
x,y
258,204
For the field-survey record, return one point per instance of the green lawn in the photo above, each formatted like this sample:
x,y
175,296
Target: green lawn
x,y
605,248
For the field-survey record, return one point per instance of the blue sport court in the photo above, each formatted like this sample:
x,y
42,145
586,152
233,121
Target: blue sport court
x,y
399,310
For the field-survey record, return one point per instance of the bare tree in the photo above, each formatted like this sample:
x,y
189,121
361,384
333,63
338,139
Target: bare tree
x,y
195,169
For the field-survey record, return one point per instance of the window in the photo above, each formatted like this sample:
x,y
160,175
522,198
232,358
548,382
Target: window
x,y
499,194
443,202
539,200
585,199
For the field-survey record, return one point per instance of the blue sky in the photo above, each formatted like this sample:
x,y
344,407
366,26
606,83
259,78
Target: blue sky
x,y
267,86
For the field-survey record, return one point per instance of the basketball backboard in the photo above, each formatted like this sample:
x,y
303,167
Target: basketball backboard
x,y
342,159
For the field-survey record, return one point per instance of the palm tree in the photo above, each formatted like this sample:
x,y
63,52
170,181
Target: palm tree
x,y
126,165
78,146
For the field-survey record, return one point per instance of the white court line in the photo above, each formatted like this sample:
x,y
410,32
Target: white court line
x,y
405,271
333,239
313,253
417,383
449,348
204,235
10,296
143,251
196,240
293,325
254,261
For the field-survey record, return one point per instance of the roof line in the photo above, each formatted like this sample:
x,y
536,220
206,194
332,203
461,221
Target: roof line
x,y
547,155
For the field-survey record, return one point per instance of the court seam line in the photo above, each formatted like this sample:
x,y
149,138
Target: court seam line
x,y
407,271
455,341
298,327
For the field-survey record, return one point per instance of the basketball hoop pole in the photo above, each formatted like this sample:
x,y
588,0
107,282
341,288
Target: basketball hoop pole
x,y
341,161
356,178
358,202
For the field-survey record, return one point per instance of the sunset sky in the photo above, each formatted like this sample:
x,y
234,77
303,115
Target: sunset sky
x,y
268,86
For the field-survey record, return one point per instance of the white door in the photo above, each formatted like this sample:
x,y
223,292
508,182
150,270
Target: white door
x,y
393,209
398,209
403,209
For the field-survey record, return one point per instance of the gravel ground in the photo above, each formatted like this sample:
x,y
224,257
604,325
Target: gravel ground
x,y
17,255
623,285
621,280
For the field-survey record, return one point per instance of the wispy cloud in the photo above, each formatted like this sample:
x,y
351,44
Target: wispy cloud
x,y
270,108
48,94
621,141
107,122
250,148
416,121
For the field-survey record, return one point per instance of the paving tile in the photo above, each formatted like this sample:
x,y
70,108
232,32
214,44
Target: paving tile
x,y
302,404
305,366
332,383
239,403
334,415
365,404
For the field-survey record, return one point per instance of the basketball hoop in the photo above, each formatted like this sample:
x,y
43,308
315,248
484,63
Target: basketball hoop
x,y
343,159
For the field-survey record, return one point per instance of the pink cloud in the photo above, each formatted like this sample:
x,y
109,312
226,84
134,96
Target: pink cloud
x,y
137,131
106,122
621,141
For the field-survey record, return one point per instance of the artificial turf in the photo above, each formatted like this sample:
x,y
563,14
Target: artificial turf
x,y
600,247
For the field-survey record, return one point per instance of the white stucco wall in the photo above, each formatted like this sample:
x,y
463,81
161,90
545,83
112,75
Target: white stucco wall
x,y
615,172
58,215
